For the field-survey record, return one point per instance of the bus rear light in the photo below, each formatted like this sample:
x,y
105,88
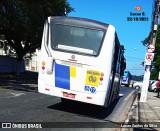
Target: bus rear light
x,y
43,67
43,71
43,63
101,78
47,89
100,83
102,74
88,97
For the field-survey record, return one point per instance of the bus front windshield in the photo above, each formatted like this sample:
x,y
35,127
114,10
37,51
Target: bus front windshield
x,y
76,39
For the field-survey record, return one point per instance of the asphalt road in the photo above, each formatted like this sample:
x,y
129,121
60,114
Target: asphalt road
x,y
22,103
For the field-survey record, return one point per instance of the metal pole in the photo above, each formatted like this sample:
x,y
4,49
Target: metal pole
x,y
146,78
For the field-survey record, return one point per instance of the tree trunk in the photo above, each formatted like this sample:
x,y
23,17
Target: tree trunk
x,y
18,63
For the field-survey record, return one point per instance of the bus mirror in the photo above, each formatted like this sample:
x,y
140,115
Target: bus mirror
x,y
49,65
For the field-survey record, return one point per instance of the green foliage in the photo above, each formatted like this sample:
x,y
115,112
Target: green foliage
x,y
147,40
21,22
154,75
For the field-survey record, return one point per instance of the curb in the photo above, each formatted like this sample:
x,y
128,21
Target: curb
x,y
131,99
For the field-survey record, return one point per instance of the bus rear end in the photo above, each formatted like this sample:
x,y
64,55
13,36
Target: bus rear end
x,y
74,63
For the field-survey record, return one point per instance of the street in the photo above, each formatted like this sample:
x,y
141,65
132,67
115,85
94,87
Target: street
x,y
89,52
22,103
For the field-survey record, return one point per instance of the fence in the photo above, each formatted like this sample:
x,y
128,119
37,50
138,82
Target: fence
x,y
8,64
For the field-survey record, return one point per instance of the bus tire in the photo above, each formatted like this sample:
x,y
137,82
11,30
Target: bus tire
x,y
137,87
155,90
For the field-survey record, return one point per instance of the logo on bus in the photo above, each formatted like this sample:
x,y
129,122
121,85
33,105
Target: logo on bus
x,y
92,79
73,57
138,8
90,89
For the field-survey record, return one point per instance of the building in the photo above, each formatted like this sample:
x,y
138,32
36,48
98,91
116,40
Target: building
x,y
8,63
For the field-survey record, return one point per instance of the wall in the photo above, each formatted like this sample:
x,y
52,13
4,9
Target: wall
x,y
8,64
33,63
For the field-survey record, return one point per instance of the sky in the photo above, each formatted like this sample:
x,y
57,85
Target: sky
x,y
117,13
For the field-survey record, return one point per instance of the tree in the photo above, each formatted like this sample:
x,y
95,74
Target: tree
x,y
156,61
21,22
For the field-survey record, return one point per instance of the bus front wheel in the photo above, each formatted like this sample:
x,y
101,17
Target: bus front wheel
x,y
137,87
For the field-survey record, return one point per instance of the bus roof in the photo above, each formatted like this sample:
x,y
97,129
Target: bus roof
x,y
82,22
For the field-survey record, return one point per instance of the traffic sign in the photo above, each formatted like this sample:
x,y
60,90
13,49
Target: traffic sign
x,y
149,56
151,48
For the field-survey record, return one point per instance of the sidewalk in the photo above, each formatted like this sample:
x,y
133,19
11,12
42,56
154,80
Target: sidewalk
x,y
150,111
145,115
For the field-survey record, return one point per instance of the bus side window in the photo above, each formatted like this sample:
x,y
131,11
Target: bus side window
x,y
115,57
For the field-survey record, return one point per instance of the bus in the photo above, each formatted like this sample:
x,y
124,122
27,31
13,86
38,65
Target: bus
x,y
80,60
126,78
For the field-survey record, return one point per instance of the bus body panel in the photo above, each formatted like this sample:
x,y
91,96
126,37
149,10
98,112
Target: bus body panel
x,y
98,99
76,76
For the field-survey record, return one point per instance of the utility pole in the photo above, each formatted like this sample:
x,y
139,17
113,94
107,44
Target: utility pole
x,y
150,50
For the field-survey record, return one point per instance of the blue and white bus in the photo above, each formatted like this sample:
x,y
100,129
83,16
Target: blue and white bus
x,y
126,78
80,60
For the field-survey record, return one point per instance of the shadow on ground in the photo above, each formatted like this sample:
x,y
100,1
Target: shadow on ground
x,y
84,109
26,81
27,75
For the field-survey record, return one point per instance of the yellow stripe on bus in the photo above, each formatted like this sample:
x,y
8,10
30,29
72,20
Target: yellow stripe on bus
x,y
73,71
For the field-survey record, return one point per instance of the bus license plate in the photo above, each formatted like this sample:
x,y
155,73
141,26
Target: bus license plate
x,y
65,94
